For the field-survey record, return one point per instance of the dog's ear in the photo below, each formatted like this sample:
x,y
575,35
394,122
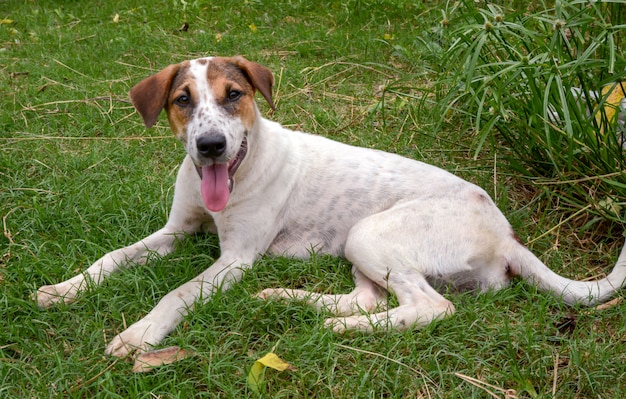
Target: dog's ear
x,y
260,77
150,95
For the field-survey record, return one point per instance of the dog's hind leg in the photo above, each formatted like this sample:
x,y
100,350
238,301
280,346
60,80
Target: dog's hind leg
x,y
396,249
366,297
419,304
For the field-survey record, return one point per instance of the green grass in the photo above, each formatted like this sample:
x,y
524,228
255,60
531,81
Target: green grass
x,y
80,176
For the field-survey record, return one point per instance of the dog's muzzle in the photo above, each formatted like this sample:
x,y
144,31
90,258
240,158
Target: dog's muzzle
x,y
217,179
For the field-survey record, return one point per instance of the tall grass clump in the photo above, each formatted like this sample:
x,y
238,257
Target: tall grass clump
x,y
543,83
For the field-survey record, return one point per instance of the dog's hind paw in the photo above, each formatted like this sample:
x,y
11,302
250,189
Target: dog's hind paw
x,y
352,323
272,293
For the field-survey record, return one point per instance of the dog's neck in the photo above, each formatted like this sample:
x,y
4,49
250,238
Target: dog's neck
x,y
267,145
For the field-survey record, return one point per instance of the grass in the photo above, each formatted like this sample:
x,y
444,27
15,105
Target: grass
x,y
80,175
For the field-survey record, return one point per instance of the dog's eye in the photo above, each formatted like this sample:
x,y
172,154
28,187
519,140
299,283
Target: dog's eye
x,y
183,100
234,95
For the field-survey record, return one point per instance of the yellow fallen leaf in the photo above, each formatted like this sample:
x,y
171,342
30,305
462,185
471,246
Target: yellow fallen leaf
x,y
253,28
257,371
116,18
146,361
613,95
6,21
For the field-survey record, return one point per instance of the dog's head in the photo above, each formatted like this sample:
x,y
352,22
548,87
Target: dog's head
x,y
210,107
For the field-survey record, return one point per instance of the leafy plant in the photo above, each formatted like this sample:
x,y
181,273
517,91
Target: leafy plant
x,y
546,83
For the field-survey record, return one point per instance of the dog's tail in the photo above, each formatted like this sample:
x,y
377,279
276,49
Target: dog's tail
x,y
524,263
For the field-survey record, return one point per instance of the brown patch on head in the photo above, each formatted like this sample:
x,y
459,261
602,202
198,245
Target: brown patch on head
x,y
234,81
181,99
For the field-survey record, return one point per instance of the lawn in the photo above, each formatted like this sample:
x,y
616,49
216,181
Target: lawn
x,y
80,175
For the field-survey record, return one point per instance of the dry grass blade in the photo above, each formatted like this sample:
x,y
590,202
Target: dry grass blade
x,y
94,378
78,138
555,374
508,393
560,224
581,180
83,101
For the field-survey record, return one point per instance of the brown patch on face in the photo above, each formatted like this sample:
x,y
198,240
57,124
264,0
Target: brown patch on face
x,y
232,90
180,102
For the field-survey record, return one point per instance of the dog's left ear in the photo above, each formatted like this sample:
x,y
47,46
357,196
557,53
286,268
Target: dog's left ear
x,y
150,95
260,77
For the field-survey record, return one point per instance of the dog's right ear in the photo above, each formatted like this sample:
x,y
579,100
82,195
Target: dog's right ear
x,y
150,95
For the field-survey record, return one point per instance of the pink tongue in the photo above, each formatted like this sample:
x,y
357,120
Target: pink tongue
x,y
214,186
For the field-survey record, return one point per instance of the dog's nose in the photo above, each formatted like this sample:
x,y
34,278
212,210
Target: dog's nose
x,y
211,146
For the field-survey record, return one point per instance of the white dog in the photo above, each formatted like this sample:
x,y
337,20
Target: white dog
x,y
403,224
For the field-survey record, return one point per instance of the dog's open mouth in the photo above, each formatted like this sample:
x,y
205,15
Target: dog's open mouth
x,y
217,180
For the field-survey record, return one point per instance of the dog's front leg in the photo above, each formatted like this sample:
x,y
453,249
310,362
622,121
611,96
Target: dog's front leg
x,y
187,217
160,242
168,313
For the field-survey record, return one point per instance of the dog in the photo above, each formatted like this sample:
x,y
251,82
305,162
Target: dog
x,y
407,227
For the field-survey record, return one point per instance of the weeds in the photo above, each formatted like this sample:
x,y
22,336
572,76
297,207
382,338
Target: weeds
x,y
548,80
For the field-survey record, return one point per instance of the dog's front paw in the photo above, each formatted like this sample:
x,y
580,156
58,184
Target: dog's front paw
x,y
137,337
49,295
